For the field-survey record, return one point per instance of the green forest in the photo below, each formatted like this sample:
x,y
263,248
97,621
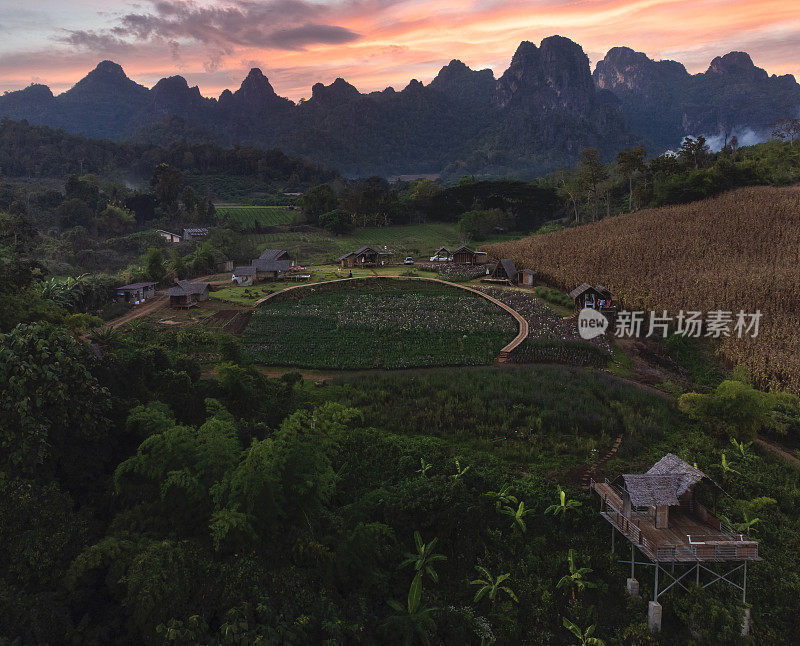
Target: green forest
x,y
144,502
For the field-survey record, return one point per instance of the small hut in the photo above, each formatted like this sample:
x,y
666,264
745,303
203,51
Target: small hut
x,y
364,257
442,254
527,277
185,294
271,269
136,293
597,297
466,256
244,276
505,270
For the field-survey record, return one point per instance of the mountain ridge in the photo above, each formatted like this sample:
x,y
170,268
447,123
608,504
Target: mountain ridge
x,y
535,117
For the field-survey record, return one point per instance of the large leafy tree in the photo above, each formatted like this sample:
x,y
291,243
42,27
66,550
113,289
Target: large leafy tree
x,y
54,411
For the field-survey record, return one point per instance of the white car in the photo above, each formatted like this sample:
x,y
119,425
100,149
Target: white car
x,y
408,261
440,259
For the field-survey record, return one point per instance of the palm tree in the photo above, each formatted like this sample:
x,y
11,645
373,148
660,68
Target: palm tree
x,y
414,619
563,505
491,586
423,467
459,471
502,497
576,577
424,558
584,637
517,515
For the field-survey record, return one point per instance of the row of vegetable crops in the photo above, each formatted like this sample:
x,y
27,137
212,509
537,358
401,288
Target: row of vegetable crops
x,y
386,324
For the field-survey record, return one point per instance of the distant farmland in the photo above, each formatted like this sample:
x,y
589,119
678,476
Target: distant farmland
x,y
265,216
738,251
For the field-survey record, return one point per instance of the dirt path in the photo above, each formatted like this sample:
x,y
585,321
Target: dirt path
x,y
776,448
159,301
153,305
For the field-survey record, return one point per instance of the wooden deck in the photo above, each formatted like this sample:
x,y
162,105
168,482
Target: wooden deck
x,y
687,539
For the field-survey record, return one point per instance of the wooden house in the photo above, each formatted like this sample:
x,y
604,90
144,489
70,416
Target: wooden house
x,y
597,297
244,275
505,270
271,269
466,256
185,294
136,293
364,257
664,512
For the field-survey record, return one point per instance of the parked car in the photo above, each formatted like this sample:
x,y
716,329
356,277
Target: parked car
x,y
440,258
408,261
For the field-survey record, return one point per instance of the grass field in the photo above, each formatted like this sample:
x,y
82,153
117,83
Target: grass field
x,y
265,216
318,247
319,273
392,324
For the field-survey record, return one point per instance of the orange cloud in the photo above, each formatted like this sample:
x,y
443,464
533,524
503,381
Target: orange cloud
x,y
377,43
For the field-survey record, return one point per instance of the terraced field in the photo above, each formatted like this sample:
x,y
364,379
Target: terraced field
x,y
380,324
265,216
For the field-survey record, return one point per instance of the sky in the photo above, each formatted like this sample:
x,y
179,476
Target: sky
x,y
371,43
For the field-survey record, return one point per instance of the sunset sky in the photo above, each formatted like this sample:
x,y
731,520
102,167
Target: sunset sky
x,y
371,43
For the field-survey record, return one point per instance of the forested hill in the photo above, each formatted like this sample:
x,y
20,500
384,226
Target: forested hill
x,y
37,151
534,118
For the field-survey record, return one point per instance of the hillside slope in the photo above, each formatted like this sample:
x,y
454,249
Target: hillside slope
x,y
738,251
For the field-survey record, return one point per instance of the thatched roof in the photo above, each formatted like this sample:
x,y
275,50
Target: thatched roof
x,y
664,482
671,464
648,490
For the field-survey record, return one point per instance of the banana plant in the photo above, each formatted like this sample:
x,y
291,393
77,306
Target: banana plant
x,y
726,466
459,471
576,579
742,449
747,527
502,498
517,515
414,619
423,467
584,637
424,558
491,586
563,505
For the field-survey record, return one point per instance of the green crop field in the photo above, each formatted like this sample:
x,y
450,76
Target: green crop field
x,y
266,216
319,247
379,324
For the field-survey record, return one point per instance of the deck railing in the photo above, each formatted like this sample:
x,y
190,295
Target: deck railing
x,y
698,547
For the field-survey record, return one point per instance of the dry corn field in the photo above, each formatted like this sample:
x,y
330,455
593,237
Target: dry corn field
x,y
738,251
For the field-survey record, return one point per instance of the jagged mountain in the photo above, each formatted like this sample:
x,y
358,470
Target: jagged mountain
x,y
664,102
537,116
